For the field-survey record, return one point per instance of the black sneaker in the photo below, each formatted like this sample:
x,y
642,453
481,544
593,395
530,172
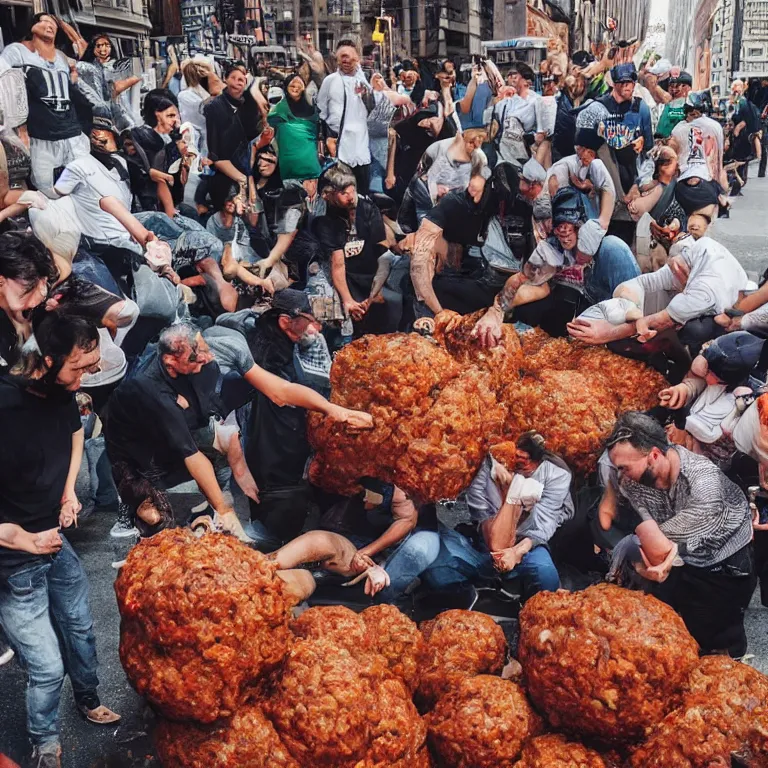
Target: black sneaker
x,y
124,526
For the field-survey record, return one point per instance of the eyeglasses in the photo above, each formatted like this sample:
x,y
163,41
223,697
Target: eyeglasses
x,y
619,436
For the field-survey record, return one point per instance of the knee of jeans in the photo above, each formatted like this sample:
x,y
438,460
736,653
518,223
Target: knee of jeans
x,y
423,546
45,666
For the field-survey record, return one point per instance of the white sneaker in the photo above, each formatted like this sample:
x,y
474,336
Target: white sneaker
x,y
123,526
6,656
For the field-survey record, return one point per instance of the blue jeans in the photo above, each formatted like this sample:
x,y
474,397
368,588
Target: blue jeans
x,y
614,264
103,491
448,558
53,591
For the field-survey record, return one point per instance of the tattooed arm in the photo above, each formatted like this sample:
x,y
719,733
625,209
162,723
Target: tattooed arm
x,y
423,261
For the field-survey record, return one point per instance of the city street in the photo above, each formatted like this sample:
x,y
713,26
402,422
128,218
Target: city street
x,y
90,746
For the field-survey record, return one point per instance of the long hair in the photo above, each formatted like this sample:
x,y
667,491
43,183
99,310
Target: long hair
x,y
56,335
534,445
270,347
90,52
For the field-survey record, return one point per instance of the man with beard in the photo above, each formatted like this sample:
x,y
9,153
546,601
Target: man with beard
x,y
705,515
44,607
352,235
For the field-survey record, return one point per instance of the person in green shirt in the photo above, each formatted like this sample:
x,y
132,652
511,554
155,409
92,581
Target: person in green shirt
x,y
295,121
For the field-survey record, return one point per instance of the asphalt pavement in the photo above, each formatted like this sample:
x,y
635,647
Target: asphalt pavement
x,y
129,744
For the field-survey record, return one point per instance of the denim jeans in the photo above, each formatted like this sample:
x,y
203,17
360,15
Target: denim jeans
x,y
53,591
613,265
448,558
103,491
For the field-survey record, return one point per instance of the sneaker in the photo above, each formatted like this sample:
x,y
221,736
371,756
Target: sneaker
x,y
47,756
6,655
124,526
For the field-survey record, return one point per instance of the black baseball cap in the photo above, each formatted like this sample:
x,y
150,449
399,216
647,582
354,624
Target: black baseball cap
x,y
291,302
733,356
624,73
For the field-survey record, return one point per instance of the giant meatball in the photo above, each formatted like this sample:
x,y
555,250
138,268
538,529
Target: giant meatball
x,y
201,619
555,751
336,623
333,710
247,739
459,644
398,640
721,706
604,662
482,723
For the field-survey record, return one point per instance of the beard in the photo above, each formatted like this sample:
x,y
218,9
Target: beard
x,y
648,478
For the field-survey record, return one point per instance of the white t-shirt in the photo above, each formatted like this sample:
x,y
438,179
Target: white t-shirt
x,y
596,172
88,181
443,170
516,116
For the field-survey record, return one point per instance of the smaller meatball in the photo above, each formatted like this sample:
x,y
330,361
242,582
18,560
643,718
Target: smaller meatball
x,y
335,623
398,640
604,662
459,644
717,676
483,723
555,751
247,739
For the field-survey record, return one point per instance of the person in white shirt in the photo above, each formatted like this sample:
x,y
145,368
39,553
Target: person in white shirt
x,y
515,116
588,175
344,101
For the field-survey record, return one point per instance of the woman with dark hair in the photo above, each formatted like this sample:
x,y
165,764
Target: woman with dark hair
x,y
26,272
517,501
158,141
296,124
44,605
103,80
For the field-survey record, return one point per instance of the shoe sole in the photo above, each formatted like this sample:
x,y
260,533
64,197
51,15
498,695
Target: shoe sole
x,y
124,534
6,657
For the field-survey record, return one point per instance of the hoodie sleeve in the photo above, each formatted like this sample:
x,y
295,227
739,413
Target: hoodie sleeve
x,y
708,412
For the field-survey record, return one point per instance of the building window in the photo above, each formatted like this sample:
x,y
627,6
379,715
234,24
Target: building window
x,y
754,53
456,39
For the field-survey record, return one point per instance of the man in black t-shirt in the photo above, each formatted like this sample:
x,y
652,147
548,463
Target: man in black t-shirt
x,y
161,430
353,237
44,597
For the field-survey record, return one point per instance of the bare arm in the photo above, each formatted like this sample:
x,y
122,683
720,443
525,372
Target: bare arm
x,y
78,444
747,304
339,280
228,169
166,199
202,473
499,532
391,154
405,518
227,294
13,536
280,248
607,204
335,552
606,511
283,393
423,264
123,85
135,228
465,105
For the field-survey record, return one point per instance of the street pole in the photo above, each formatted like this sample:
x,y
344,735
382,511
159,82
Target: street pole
x,y
356,20
316,23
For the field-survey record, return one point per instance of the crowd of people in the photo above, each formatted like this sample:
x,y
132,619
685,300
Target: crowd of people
x,y
174,283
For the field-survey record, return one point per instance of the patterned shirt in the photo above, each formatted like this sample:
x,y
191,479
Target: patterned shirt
x,y
704,512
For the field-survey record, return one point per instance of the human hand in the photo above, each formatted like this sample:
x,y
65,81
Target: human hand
x,y
331,145
356,309
167,178
584,186
591,331
261,267
675,435
268,286
674,397
644,331
506,560
487,330
502,478
729,323
70,508
360,562
658,573
390,181
47,542
376,580
638,145
353,419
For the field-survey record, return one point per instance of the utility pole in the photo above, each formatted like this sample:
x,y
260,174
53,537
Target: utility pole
x,y
356,20
316,23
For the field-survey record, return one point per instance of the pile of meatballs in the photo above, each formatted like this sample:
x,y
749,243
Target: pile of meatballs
x,y
607,678
440,403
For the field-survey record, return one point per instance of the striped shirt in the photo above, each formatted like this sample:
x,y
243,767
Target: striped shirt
x,y
704,512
